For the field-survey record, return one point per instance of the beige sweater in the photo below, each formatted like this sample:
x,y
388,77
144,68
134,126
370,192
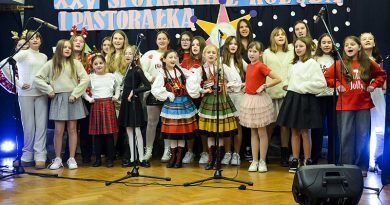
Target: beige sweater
x,y
64,83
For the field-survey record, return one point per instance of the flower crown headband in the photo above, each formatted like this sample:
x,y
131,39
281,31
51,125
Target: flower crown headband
x,y
16,37
83,32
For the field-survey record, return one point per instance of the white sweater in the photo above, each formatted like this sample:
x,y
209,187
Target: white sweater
x,y
103,86
306,78
151,63
29,62
325,62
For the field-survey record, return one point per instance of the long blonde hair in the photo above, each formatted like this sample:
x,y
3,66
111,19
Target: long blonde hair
x,y
83,55
59,60
117,64
273,47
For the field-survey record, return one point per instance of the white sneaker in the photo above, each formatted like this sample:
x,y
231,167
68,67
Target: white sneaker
x,y
56,163
235,159
262,166
204,158
167,155
188,158
226,159
254,166
72,164
148,153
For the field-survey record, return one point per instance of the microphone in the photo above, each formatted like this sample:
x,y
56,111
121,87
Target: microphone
x,y
49,25
220,33
319,15
141,36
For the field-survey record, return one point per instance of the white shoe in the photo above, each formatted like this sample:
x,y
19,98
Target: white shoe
x,y
72,164
148,153
167,155
204,158
254,166
56,163
262,166
226,159
235,159
188,158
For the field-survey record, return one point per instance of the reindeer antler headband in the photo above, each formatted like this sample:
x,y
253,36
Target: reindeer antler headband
x,y
83,32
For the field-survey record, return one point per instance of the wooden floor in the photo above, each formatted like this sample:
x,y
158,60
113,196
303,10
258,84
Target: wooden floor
x,y
272,187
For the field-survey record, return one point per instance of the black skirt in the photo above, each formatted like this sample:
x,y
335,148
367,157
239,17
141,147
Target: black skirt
x,y
131,113
300,111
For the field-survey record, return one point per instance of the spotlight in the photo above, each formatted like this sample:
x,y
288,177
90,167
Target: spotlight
x,y
7,146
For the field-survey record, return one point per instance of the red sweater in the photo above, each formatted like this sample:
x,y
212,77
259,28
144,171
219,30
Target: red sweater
x,y
255,77
356,96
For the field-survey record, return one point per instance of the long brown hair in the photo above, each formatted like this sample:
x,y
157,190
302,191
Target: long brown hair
x,y
199,57
118,64
363,59
180,50
239,37
226,56
313,46
319,51
59,60
307,41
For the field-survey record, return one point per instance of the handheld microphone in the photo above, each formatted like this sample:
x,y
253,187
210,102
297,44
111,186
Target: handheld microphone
x,y
49,25
319,15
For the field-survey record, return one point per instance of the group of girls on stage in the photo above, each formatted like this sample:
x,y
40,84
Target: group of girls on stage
x,y
286,85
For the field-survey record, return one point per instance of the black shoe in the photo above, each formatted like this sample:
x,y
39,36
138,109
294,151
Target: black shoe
x,y
248,154
125,163
97,163
145,163
110,163
307,162
294,165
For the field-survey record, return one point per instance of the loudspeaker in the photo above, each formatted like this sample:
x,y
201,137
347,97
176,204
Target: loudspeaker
x,y
328,184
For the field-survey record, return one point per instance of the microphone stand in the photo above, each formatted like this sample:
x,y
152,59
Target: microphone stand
x,y
334,92
134,172
217,88
18,168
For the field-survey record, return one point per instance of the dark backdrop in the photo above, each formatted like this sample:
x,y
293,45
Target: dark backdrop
x,y
372,16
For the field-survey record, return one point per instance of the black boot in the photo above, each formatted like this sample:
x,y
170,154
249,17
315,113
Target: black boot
x,y
179,157
211,161
219,157
97,163
172,161
284,157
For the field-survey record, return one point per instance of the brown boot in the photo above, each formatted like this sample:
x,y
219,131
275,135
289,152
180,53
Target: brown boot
x,y
211,161
179,157
172,161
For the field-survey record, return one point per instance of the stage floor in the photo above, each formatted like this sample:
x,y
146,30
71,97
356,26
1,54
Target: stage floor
x,y
273,187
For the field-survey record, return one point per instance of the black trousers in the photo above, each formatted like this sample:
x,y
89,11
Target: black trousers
x,y
328,121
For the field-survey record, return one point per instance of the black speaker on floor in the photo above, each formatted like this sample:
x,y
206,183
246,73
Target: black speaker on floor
x,y
328,184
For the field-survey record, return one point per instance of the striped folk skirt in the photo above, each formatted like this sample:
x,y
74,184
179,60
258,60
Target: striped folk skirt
x,y
256,110
178,119
102,119
227,123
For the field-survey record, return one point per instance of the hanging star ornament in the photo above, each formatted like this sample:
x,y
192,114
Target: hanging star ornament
x,y
223,24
